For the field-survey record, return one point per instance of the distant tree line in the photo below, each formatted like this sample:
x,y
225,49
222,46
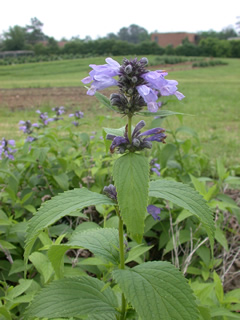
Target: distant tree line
x,y
132,40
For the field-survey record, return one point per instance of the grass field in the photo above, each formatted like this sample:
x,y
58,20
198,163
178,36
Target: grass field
x,y
212,98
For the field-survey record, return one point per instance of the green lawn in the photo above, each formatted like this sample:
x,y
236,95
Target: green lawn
x,y
212,97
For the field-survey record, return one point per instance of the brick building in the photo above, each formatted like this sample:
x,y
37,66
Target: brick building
x,y
175,39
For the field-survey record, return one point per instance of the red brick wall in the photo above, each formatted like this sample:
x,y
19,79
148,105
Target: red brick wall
x,y
175,39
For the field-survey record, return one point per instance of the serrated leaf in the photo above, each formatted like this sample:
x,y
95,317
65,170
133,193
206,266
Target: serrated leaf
x,y
103,243
187,198
131,175
159,113
58,207
162,291
73,297
137,251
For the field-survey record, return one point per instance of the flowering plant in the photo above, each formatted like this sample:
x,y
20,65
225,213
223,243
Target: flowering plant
x,y
151,290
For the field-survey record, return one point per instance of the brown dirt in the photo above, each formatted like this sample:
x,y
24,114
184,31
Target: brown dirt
x,y
36,97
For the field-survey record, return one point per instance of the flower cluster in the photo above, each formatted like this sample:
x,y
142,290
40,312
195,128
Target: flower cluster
x,y
6,150
77,115
111,192
138,86
154,166
27,127
44,119
139,141
59,111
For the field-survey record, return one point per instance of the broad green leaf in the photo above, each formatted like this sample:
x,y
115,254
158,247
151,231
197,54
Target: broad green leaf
x,y
157,290
167,153
19,289
6,245
222,312
56,257
137,251
42,264
69,297
4,312
58,207
131,174
159,113
184,214
187,198
62,181
103,243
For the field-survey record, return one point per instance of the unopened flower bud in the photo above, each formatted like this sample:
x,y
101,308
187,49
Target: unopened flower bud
x,y
128,69
144,61
136,142
134,79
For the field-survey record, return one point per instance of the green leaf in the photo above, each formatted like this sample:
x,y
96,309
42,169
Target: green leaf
x,y
218,287
187,130
131,174
222,312
77,296
187,198
62,181
137,251
161,113
56,257
4,312
157,290
221,238
167,153
105,101
42,264
58,207
184,236
19,289
103,243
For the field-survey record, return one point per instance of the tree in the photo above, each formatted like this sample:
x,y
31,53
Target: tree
x,y
34,32
133,34
14,39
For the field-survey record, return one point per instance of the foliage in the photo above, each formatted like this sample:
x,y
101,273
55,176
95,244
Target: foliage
x,y
75,233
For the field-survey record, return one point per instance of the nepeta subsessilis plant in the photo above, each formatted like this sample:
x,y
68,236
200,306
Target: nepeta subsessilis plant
x,y
6,148
153,290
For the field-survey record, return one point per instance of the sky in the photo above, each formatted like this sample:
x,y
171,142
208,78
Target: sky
x,y
97,18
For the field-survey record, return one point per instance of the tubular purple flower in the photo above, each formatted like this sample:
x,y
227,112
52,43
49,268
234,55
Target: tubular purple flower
x,y
154,211
149,96
102,76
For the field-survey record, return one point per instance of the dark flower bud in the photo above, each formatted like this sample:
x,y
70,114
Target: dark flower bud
x,y
110,191
136,142
144,61
134,79
128,69
146,144
130,91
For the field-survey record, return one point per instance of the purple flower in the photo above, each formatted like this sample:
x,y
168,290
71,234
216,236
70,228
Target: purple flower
x,y
59,110
156,80
139,140
102,76
138,86
77,114
155,167
27,126
154,211
6,150
111,192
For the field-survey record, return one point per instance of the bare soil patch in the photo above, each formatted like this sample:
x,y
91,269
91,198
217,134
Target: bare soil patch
x,y
36,97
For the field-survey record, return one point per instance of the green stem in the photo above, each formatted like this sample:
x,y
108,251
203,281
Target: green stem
x,y
122,260
130,129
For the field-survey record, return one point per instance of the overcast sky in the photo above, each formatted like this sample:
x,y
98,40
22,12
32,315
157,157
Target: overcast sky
x,y
97,18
